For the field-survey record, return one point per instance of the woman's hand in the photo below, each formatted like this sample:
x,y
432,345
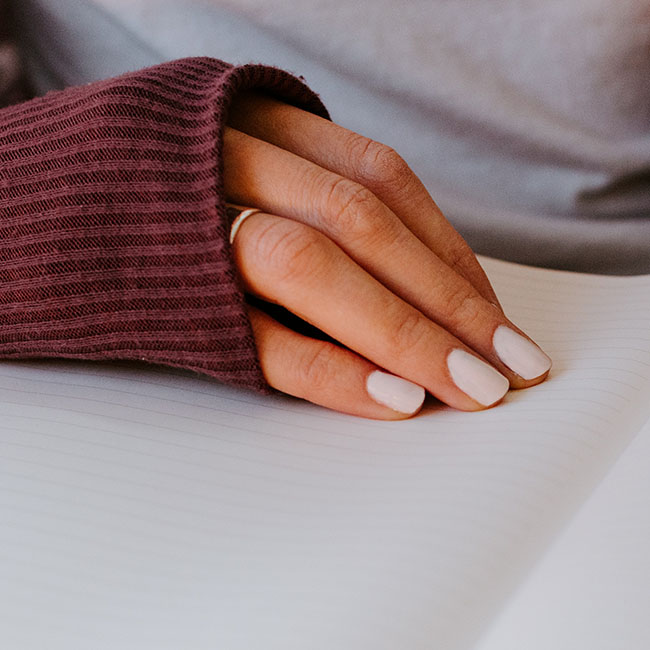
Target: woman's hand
x,y
350,241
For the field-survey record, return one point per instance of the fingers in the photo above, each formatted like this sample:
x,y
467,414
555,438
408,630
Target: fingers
x,y
326,374
260,174
370,164
294,265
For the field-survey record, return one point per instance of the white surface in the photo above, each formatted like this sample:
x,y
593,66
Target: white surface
x,y
592,589
146,510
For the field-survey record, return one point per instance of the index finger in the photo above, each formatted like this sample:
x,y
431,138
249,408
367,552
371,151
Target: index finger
x,y
371,164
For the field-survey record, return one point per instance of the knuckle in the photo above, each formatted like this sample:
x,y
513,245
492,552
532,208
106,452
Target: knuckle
x,y
379,164
287,250
353,210
456,258
352,207
318,368
463,308
459,256
410,331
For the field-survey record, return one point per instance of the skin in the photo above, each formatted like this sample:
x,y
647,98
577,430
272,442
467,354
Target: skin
x,y
350,241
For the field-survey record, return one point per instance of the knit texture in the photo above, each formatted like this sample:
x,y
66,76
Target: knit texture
x,y
113,229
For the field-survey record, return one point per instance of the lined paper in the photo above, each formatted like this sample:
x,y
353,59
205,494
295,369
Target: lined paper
x,y
143,508
591,588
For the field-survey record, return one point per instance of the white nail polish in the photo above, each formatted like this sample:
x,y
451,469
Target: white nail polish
x,y
476,378
394,392
519,354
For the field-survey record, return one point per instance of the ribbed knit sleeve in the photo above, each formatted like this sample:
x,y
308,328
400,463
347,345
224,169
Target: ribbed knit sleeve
x,y
113,230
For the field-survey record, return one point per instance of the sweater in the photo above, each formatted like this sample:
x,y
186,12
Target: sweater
x,y
113,228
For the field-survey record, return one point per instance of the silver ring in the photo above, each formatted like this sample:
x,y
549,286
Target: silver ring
x,y
244,213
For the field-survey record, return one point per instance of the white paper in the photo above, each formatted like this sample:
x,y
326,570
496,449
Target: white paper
x,y
145,509
592,589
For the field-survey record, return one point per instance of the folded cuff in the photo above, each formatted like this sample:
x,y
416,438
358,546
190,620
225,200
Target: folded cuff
x,y
113,229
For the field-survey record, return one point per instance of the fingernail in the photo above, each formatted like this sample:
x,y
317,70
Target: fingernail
x,y
519,354
394,392
476,378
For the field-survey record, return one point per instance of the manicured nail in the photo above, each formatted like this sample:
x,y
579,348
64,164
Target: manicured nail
x,y
394,392
476,378
519,354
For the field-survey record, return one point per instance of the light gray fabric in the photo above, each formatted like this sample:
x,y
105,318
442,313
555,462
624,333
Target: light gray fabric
x,y
528,121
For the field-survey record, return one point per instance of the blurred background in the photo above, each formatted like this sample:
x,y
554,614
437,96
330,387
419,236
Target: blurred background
x,y
528,121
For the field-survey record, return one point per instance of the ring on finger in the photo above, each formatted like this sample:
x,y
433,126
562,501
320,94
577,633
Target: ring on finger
x,y
238,214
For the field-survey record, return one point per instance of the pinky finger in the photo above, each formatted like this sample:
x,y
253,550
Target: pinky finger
x,y
325,374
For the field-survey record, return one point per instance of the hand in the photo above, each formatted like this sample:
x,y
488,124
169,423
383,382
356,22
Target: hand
x,y
350,241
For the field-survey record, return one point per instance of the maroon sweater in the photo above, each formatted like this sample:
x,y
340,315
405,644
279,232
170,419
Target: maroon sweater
x,y
113,231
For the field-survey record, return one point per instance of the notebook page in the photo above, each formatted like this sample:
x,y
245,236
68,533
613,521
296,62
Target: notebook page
x,y
591,589
144,509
